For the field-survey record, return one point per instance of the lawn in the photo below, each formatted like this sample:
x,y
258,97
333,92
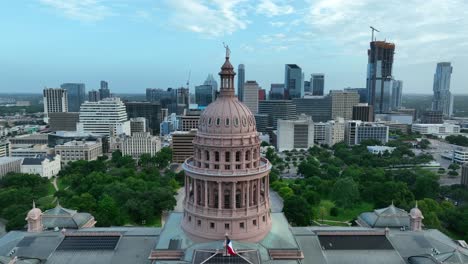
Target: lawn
x,y
61,184
344,214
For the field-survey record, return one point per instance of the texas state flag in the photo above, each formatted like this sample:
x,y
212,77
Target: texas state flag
x,y
229,248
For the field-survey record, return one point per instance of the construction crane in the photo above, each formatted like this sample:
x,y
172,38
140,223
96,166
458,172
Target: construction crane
x,y
373,29
188,79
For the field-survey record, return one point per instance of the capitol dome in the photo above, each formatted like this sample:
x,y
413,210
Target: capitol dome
x,y
226,180
227,116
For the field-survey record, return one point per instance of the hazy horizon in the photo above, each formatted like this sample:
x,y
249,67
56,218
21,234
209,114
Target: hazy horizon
x,y
136,45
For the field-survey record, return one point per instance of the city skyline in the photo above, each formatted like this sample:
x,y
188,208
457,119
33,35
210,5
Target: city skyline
x,y
143,45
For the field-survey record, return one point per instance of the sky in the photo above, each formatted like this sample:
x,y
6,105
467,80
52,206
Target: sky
x,y
139,44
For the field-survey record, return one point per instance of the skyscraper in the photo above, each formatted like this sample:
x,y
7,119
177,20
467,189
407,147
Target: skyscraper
x,y
293,81
277,91
251,89
76,93
104,91
240,82
443,98
205,94
55,100
93,96
379,75
149,110
397,91
317,83
342,103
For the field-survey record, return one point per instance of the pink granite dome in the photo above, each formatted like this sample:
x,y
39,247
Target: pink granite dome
x,y
227,116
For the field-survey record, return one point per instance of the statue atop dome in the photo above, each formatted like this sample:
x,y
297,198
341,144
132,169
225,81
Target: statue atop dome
x,y
228,50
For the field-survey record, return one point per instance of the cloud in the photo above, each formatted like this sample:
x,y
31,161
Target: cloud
x,y
82,10
423,30
211,18
272,8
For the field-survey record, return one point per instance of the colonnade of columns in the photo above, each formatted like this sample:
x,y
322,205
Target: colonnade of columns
x,y
226,194
227,160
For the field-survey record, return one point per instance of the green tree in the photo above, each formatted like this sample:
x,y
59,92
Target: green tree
x,y
108,212
298,211
454,166
345,192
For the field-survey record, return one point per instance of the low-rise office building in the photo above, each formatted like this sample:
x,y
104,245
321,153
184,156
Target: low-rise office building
x,y
31,151
139,143
5,148
63,121
79,150
357,131
440,130
182,145
295,134
9,164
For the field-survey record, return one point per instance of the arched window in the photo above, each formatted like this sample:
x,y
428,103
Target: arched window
x,y
255,154
210,121
238,155
247,155
216,156
227,122
228,156
236,122
207,155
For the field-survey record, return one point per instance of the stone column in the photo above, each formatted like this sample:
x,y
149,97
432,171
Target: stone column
x,y
258,192
220,196
248,195
195,192
206,194
233,199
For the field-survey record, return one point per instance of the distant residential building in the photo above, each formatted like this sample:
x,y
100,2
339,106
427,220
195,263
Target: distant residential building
x,y
170,124
182,145
261,94
137,125
240,81
362,93
329,133
62,137
379,75
363,112
401,118
31,151
277,109
293,81
104,91
93,96
440,130
204,95
317,82
295,134
9,164
342,103
79,150
432,117
464,177
76,93
140,143
46,166
379,150
63,121
105,117
55,100
277,92
190,120
397,92
27,140
307,87
150,110
250,99
5,148
23,103
460,155
357,131
317,107
443,98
